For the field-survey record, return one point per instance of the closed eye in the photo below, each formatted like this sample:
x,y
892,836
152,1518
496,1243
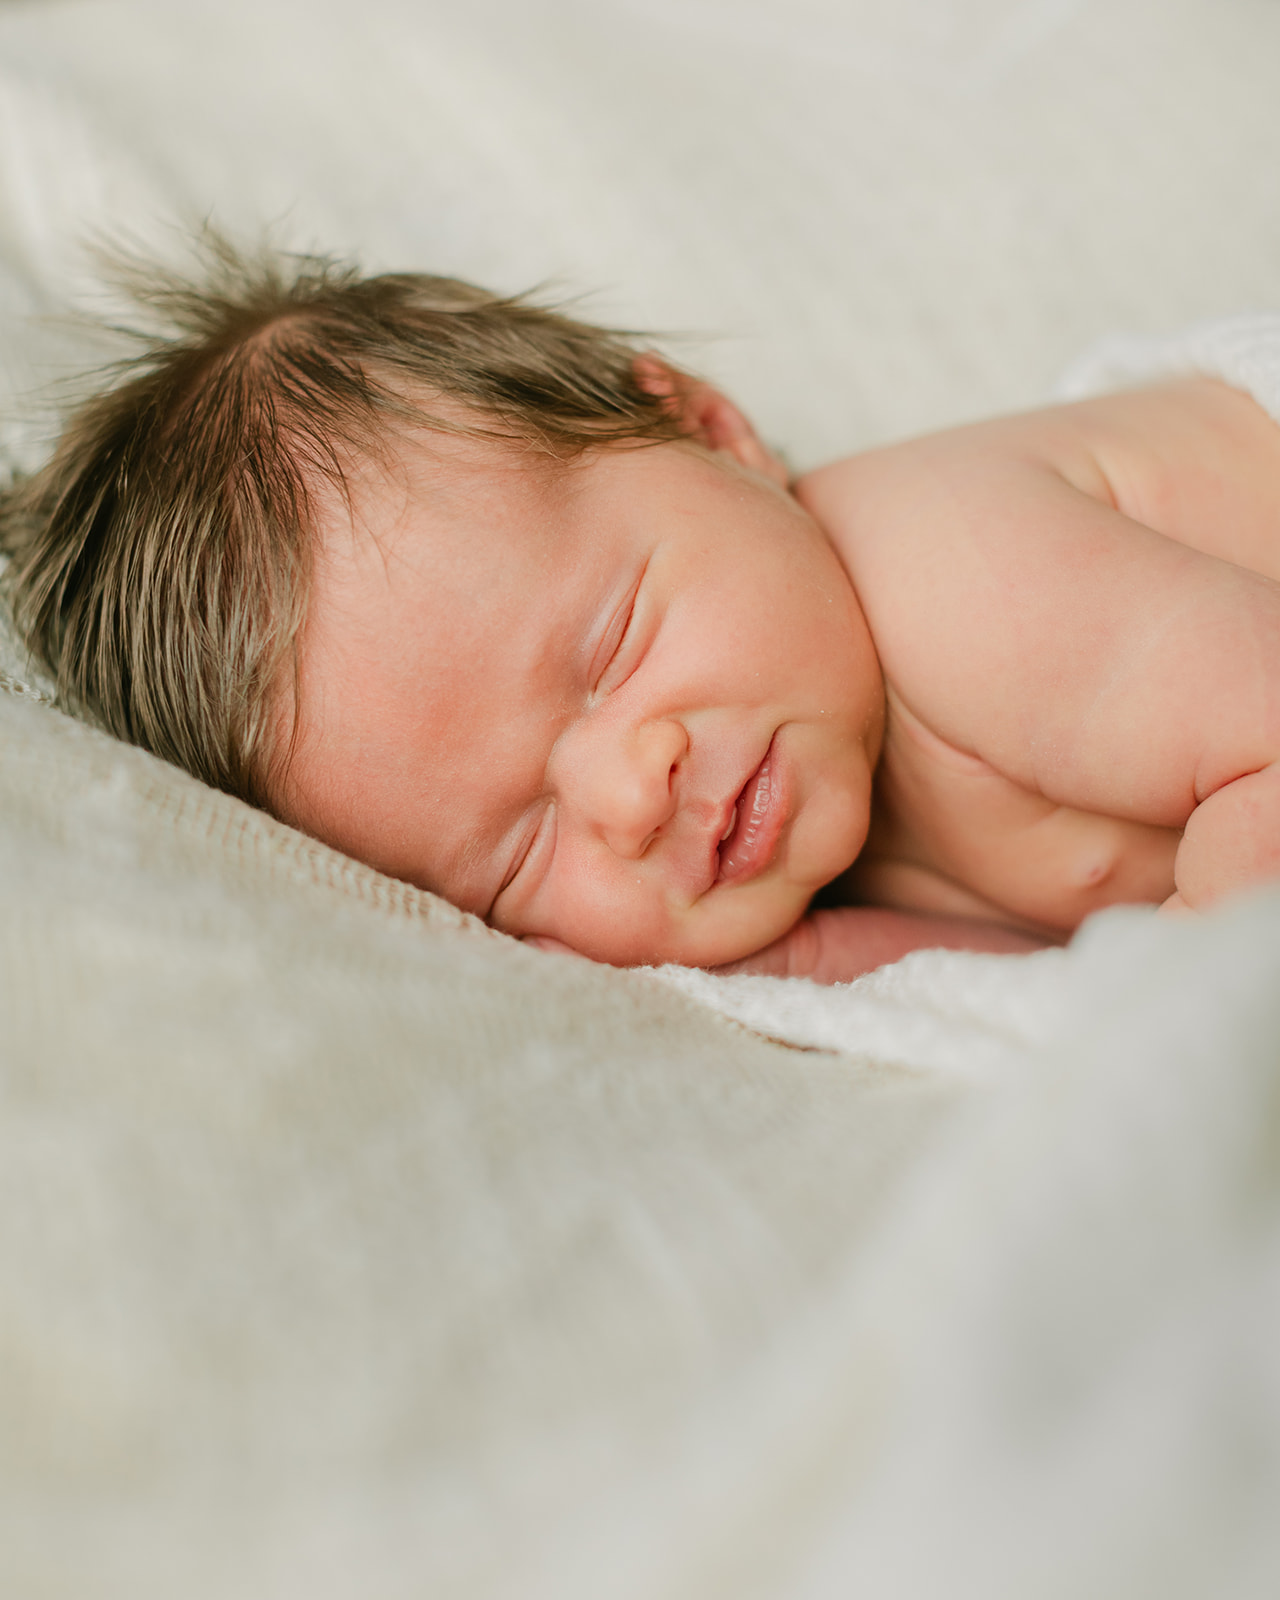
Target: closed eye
x,y
530,862
615,659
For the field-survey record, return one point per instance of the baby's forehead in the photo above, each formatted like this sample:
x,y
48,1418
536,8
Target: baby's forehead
x,y
432,526
456,525
451,478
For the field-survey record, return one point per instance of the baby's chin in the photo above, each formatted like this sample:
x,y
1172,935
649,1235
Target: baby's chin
x,y
713,945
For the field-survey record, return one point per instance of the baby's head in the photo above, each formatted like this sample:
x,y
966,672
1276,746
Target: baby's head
x,y
470,590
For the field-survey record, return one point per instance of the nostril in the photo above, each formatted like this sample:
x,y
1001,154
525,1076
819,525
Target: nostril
x,y
631,846
632,787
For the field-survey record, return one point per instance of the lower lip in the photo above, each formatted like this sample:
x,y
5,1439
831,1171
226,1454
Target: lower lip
x,y
761,812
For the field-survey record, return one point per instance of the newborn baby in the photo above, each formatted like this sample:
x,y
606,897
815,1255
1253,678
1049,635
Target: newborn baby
x,y
539,623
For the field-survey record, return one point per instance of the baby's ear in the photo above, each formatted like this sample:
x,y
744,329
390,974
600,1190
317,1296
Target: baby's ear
x,y
707,415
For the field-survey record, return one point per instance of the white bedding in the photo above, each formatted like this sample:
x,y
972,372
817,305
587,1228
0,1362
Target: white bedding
x,y
348,1248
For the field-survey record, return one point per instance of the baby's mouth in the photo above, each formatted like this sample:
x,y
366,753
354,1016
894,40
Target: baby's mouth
x,y
754,824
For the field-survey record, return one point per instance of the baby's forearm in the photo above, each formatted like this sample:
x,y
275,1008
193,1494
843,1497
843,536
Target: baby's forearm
x,y
835,946
1231,841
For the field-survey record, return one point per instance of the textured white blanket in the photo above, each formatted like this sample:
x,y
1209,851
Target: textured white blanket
x,y
347,1248
1243,351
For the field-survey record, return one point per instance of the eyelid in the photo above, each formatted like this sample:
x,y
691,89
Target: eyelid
x,y
615,634
543,829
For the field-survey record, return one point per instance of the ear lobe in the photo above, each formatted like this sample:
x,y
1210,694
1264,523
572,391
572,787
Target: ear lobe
x,y
708,416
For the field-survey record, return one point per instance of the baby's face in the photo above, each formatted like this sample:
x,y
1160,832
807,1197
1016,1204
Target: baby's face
x,y
630,704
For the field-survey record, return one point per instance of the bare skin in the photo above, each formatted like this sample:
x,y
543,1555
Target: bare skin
x,y
1108,733
988,681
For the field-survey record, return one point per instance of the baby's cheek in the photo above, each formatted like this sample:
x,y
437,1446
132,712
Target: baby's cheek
x,y
829,833
742,926
627,924
625,917
611,916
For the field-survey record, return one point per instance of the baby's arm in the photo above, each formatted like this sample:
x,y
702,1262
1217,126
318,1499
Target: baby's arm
x,y
1077,651
839,944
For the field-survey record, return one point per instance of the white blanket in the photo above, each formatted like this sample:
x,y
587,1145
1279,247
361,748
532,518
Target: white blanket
x,y
349,1248
1243,351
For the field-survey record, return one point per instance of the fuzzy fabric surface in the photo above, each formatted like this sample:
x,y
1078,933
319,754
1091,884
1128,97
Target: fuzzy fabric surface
x,y
348,1248
1243,351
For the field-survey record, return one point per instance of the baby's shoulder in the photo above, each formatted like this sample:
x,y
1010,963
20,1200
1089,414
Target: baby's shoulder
x,y
888,507
1054,591
1191,458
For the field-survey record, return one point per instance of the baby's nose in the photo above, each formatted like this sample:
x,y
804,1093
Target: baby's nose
x,y
625,784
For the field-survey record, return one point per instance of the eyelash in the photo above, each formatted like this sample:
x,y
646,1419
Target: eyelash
x,y
519,864
617,649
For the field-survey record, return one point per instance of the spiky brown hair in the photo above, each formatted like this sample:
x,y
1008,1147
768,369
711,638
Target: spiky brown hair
x,y
160,561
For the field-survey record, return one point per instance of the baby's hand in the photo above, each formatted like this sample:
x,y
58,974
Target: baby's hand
x,y
1231,840
841,944
838,945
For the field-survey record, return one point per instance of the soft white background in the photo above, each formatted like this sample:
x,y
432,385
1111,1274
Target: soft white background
x,y
349,1250
888,215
